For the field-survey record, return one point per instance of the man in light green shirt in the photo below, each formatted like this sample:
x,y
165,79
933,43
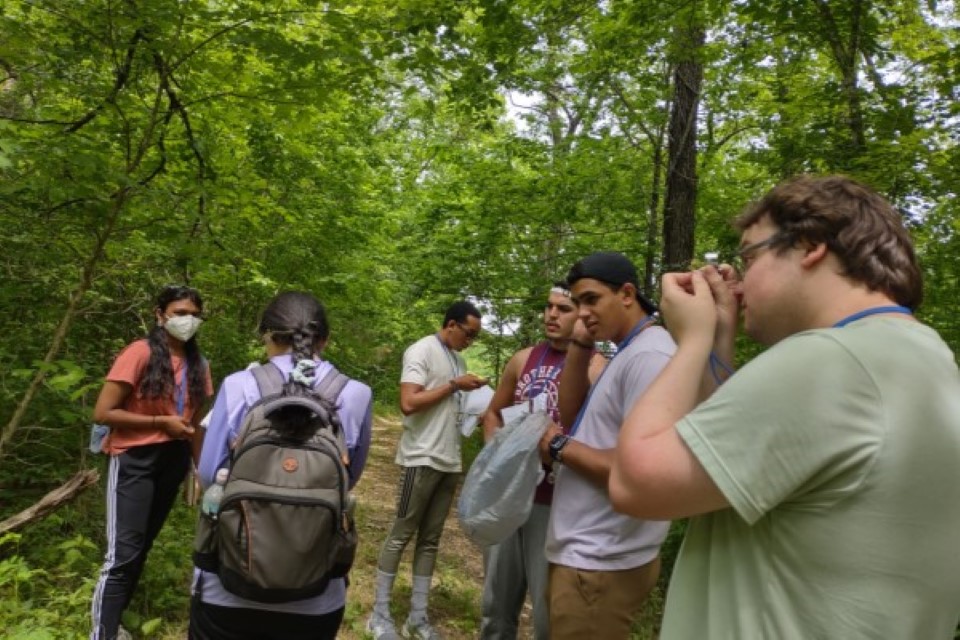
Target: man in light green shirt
x,y
824,475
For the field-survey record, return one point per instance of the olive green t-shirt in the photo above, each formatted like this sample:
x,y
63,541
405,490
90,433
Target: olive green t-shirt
x,y
839,452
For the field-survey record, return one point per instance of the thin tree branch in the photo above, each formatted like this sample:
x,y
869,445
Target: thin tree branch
x,y
123,74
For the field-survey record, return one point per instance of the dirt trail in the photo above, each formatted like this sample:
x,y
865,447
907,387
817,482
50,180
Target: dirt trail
x,y
458,580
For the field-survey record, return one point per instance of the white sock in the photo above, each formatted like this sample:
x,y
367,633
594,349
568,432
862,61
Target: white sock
x,y
418,599
381,601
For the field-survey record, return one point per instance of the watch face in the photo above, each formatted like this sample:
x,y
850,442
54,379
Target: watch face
x,y
556,445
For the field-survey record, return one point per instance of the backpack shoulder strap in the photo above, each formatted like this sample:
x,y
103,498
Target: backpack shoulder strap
x,y
332,385
269,379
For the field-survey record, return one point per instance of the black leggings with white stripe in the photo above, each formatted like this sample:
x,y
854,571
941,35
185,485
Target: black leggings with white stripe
x,y
142,485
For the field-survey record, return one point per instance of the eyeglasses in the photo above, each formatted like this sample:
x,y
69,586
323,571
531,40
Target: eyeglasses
x,y
471,334
744,258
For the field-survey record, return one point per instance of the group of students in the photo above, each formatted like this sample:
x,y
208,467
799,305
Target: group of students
x,y
821,478
153,399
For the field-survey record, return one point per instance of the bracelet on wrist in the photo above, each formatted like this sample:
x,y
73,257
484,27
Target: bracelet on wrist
x,y
453,385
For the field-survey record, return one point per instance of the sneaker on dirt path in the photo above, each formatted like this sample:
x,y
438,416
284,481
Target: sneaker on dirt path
x,y
381,628
419,630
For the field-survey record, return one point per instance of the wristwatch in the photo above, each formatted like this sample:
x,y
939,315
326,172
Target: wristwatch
x,y
556,445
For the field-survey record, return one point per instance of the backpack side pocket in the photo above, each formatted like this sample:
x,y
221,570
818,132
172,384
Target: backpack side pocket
x,y
205,543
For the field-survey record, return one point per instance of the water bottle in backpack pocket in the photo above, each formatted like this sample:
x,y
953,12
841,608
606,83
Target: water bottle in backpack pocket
x,y
204,549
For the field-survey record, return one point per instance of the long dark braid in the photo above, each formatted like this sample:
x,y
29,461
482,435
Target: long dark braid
x,y
297,320
158,379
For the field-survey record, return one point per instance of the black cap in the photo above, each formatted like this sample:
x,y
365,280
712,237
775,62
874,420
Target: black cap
x,y
613,268
607,266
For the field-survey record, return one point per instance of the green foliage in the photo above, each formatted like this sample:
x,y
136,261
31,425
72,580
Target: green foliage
x,y
48,602
392,157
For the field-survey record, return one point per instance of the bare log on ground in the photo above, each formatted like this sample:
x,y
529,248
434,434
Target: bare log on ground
x,y
52,501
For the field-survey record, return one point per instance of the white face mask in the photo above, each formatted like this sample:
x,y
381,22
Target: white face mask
x,y
182,327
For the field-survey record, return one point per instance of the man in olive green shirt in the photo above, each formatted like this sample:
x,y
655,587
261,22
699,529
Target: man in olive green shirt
x,y
824,475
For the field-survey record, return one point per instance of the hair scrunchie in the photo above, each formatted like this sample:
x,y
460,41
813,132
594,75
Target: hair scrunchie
x,y
304,372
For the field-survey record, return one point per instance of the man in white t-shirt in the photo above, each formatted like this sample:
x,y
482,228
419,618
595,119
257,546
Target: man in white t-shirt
x,y
602,564
433,387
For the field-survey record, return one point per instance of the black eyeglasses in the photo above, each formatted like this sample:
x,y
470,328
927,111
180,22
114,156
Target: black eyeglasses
x,y
744,257
471,334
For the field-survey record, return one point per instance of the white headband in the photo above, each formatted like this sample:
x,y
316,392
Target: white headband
x,y
561,291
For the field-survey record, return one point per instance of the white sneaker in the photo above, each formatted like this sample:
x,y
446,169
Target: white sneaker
x,y
419,630
381,628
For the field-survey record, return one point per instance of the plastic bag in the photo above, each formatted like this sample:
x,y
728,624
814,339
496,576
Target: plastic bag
x,y
497,494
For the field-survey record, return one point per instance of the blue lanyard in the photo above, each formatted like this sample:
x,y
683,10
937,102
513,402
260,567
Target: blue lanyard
x,y
640,326
452,360
182,390
872,312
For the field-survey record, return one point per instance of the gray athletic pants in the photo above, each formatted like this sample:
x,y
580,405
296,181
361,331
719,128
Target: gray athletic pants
x,y
513,566
423,502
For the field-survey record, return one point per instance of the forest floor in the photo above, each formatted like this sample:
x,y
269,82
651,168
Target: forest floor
x,y
458,581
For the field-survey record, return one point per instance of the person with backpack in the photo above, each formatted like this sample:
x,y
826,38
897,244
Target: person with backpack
x,y
152,400
295,430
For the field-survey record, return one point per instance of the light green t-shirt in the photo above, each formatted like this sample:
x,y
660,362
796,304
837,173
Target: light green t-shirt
x,y
431,437
839,451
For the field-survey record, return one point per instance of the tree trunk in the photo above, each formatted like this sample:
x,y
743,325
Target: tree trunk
x,y
846,55
679,219
653,222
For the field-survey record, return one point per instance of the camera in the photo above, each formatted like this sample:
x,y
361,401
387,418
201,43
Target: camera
x,y
712,257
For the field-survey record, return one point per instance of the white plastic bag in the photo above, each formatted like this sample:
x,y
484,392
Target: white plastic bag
x,y
497,494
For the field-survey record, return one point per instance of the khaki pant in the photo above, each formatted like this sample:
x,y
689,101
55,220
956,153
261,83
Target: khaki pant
x,y
597,604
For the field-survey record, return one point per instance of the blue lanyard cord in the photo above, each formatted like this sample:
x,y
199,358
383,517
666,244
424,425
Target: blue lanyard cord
x,y
637,329
452,360
182,390
872,312
453,365
715,363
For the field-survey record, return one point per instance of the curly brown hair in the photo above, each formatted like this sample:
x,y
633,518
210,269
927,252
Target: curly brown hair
x,y
859,226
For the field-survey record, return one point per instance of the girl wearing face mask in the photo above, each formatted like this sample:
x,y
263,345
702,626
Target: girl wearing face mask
x,y
152,400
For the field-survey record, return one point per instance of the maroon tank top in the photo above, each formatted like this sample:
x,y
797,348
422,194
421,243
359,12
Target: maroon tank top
x,y
541,374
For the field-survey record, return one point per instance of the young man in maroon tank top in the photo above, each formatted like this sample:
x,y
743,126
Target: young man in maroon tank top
x,y
518,564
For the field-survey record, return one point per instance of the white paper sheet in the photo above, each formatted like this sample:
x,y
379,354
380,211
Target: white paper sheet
x,y
476,403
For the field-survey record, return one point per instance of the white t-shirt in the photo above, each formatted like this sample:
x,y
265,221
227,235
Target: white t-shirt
x,y
431,438
585,532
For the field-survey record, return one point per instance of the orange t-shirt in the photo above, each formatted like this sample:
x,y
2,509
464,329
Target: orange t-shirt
x,y
129,368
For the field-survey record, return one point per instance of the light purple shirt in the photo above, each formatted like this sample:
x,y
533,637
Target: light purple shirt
x,y
237,394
